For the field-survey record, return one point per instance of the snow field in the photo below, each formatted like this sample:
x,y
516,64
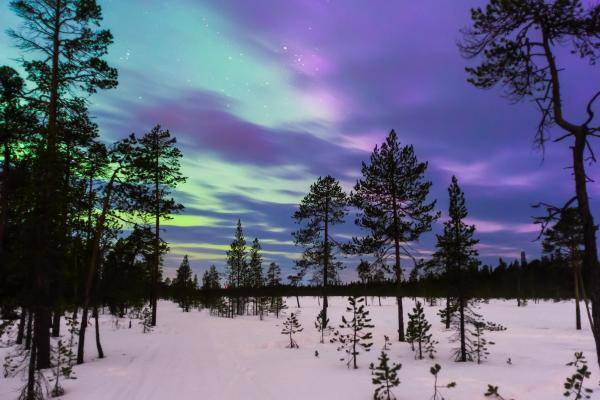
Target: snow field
x,y
197,356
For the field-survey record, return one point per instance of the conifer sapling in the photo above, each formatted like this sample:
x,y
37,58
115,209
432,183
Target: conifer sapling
x,y
354,337
574,388
385,376
290,327
437,395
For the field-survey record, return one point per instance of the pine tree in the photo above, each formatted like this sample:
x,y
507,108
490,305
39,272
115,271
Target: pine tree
x,y
364,272
62,33
211,279
392,200
354,336
184,285
322,325
255,274
565,240
325,205
469,327
255,271
494,391
519,46
61,367
277,306
159,169
480,343
273,275
385,377
456,247
291,326
417,333
437,395
447,312
146,319
237,263
574,385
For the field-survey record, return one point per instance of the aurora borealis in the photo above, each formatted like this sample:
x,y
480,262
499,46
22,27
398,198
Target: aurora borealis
x,y
264,96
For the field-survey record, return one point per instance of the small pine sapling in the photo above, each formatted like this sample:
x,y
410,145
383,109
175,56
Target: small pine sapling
x,y
417,333
73,328
146,319
493,392
494,327
387,344
290,327
61,367
355,337
385,377
322,325
574,388
480,343
15,362
437,394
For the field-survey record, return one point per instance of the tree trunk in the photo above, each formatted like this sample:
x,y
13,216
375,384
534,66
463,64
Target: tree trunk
x,y
448,312
22,322
81,341
29,336
154,295
326,260
91,273
463,346
41,337
56,324
97,328
398,270
591,268
590,256
4,194
31,372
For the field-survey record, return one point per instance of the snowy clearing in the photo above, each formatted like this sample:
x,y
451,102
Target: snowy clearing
x,y
197,356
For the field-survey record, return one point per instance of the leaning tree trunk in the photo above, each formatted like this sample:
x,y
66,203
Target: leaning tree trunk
x,y
97,326
590,255
92,266
581,133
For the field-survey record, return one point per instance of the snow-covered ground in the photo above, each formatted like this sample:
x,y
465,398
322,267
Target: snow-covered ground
x,y
197,356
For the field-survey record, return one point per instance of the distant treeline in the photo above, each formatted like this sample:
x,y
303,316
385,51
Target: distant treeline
x,y
548,278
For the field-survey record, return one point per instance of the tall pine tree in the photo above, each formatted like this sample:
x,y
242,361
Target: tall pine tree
x,y
565,241
159,169
183,284
456,246
237,264
393,208
324,206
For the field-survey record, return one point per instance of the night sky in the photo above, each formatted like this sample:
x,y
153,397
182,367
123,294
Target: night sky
x,y
265,96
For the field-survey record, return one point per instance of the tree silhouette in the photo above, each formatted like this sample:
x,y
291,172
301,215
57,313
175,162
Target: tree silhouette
x,y
325,205
392,200
517,42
